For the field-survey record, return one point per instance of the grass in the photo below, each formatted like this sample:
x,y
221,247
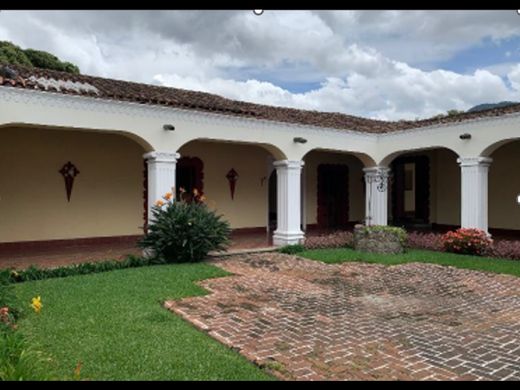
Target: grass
x,y
114,327
341,255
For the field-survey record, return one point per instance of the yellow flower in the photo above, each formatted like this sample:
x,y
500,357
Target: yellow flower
x,y
37,304
168,196
159,203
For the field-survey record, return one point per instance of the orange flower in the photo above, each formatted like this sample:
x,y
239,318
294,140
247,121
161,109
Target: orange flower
x,y
195,191
77,370
159,203
202,198
168,196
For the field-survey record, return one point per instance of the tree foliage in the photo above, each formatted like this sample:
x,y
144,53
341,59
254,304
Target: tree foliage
x,y
13,54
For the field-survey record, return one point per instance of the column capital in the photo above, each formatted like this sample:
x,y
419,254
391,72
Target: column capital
x,y
474,161
377,170
156,156
289,164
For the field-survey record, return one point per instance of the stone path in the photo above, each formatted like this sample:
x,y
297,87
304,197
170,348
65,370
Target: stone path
x,y
306,320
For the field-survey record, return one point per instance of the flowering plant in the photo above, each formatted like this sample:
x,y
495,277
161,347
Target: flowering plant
x,y
467,241
185,230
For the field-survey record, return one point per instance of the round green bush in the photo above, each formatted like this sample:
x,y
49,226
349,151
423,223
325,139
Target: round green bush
x,y
185,232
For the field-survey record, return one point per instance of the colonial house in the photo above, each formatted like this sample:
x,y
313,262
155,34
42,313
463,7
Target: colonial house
x,y
84,157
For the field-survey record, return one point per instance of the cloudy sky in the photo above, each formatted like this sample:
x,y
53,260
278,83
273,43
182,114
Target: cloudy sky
x,y
387,65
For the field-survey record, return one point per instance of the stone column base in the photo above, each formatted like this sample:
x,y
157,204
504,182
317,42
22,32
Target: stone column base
x,y
288,238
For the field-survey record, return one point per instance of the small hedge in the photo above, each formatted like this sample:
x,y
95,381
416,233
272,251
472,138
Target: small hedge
x,y
398,232
36,273
292,249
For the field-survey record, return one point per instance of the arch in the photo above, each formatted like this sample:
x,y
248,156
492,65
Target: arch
x,y
367,160
488,151
276,152
387,160
134,137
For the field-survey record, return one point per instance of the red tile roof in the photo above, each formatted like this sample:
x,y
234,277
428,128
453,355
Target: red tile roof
x,y
61,82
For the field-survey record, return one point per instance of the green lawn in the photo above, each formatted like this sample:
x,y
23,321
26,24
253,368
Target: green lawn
x,y
114,324
341,255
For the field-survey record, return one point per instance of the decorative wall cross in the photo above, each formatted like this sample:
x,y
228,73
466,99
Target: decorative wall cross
x,y
69,172
232,177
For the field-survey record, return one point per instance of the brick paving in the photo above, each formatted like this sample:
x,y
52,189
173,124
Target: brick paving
x,y
306,320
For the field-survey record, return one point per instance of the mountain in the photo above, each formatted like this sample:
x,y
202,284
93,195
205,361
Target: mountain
x,y
487,106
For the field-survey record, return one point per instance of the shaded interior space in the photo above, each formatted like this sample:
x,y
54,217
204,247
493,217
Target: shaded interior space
x,y
504,188
424,190
333,195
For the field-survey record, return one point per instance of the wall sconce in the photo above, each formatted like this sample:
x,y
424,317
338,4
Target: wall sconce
x,y
168,127
258,12
299,140
518,199
465,136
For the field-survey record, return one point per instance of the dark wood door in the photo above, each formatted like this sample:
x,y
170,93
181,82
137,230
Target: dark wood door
x,y
333,200
189,176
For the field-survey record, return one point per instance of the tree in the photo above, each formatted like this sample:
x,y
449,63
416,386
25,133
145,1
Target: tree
x,y
13,54
454,112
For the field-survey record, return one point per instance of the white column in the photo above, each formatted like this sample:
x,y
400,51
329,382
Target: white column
x,y
474,192
376,195
161,176
288,230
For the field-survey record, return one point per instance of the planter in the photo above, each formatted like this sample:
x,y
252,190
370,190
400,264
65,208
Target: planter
x,y
379,239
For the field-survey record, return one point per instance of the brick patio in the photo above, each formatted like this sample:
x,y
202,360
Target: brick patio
x,y
307,320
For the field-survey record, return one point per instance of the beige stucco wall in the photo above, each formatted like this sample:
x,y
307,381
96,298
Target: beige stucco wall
x,y
504,186
356,194
107,198
249,206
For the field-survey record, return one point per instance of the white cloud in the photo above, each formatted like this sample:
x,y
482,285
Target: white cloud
x,y
368,63
394,91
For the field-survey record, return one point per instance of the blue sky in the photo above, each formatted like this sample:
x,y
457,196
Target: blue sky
x,y
379,64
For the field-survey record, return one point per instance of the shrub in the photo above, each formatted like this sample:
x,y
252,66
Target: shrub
x,y
292,249
35,273
506,249
184,231
8,302
339,239
467,242
19,360
379,239
428,241
395,231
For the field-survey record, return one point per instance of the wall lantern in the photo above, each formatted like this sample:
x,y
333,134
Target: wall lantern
x,y
232,177
299,140
69,172
168,127
465,136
